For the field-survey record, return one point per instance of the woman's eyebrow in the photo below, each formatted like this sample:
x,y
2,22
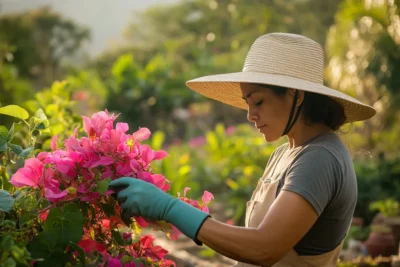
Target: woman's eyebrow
x,y
247,96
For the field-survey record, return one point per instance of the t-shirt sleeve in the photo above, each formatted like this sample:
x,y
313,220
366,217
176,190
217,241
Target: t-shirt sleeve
x,y
314,175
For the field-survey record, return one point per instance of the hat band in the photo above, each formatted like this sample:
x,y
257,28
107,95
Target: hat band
x,y
290,123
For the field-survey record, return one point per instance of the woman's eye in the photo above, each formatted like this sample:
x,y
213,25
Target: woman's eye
x,y
259,103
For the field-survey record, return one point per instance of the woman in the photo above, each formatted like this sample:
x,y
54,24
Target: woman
x,y
303,204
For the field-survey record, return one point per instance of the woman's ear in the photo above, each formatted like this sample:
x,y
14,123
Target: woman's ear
x,y
300,97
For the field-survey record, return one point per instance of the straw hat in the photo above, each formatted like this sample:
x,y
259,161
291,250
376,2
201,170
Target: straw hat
x,y
280,59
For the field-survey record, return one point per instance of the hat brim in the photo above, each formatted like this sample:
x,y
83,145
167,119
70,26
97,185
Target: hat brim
x,y
226,89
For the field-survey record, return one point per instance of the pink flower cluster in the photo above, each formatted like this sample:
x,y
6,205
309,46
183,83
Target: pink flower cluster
x,y
104,153
81,170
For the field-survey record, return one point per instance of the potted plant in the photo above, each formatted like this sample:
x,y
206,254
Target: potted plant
x,y
381,241
389,210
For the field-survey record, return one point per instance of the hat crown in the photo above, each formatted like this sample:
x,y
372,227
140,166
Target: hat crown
x,y
286,54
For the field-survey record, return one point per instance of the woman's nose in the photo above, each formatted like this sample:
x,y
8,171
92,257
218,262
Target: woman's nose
x,y
251,115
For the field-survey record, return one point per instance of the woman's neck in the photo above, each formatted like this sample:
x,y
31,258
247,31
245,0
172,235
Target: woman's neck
x,y
301,133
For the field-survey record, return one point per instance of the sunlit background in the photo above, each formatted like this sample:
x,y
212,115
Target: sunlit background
x,y
133,57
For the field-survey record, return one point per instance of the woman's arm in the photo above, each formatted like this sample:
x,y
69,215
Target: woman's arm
x,y
287,221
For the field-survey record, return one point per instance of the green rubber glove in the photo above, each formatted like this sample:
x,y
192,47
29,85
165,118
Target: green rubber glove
x,y
140,198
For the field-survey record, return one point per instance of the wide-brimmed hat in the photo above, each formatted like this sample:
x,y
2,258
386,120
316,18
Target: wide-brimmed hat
x,y
280,59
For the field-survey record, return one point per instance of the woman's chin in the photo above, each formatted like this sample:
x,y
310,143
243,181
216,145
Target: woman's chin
x,y
269,138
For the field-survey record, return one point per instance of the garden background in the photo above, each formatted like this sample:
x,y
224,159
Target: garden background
x,y
45,63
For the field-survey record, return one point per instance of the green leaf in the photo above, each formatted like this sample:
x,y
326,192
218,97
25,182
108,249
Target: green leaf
x,y
3,134
40,115
10,262
67,224
10,134
117,236
3,147
6,201
26,152
102,186
40,119
15,111
17,252
8,223
44,246
126,259
16,148
7,242
25,217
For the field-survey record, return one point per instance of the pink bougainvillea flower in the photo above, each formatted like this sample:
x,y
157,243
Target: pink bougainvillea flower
x,y
54,143
142,222
148,154
55,196
160,181
175,233
121,127
105,223
89,245
207,197
145,176
154,252
51,186
114,262
71,173
43,215
142,134
97,123
104,161
30,175
44,157
65,165
168,263
73,144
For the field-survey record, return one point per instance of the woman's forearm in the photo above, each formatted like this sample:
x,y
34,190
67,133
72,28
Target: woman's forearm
x,y
239,243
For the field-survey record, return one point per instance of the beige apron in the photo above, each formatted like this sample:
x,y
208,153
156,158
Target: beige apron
x,y
262,198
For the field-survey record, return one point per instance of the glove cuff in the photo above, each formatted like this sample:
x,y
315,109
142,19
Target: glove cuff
x,y
186,218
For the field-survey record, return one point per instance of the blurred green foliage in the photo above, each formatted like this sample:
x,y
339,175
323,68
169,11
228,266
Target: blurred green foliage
x,y
39,40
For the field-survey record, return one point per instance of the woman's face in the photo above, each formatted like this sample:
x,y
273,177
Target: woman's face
x,y
268,111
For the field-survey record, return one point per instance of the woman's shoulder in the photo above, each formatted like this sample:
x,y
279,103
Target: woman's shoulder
x,y
330,143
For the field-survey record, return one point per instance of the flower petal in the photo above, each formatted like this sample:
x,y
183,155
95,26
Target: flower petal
x,y
160,155
141,134
29,175
54,143
207,197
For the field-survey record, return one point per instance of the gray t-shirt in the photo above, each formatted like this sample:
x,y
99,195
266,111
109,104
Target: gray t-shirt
x,y
322,172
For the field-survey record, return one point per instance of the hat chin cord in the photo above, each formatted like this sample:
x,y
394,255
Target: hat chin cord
x,y
292,120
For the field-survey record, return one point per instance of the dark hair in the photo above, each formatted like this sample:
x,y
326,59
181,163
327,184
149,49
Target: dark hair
x,y
317,108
